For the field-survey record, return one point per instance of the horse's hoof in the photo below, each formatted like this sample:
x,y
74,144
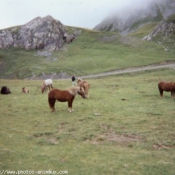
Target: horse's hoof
x,y
71,110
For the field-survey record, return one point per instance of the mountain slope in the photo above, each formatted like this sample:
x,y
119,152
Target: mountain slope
x,y
128,20
91,53
164,33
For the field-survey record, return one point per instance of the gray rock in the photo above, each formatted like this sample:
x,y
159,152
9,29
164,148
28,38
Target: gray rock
x,y
40,33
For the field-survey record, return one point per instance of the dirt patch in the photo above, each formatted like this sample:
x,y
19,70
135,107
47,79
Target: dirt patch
x,y
159,146
46,138
120,139
113,137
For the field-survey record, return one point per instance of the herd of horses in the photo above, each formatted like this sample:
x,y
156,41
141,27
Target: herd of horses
x,y
82,88
67,95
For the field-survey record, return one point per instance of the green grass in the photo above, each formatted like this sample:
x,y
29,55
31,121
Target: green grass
x,y
123,128
90,53
144,30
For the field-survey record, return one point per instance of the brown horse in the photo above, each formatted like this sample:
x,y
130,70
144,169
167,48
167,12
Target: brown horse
x,y
64,96
85,85
166,86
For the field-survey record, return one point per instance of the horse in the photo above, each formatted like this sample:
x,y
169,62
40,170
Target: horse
x,y
5,90
47,84
166,86
67,95
85,85
25,90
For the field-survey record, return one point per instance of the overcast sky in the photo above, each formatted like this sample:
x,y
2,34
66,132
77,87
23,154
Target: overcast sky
x,y
78,13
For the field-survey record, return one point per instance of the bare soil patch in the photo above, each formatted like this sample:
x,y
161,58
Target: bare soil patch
x,y
120,139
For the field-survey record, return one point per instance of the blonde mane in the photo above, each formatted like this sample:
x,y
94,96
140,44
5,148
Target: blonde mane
x,y
79,79
73,90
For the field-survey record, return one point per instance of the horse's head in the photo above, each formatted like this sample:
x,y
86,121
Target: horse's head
x,y
81,92
42,89
79,80
8,91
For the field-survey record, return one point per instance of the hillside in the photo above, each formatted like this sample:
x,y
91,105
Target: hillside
x,y
43,48
91,53
130,19
164,33
151,22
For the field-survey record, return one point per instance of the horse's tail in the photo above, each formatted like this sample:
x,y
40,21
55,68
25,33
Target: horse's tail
x,y
51,102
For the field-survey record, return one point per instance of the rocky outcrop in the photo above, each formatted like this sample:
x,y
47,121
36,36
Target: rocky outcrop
x,y
40,33
164,33
165,30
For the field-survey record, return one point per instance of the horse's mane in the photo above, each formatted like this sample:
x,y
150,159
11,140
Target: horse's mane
x,y
79,79
73,90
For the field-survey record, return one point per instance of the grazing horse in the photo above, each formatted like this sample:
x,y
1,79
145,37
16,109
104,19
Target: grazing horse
x,y
85,85
166,86
64,96
25,90
47,84
5,90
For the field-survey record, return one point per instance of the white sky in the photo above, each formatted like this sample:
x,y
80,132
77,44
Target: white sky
x,y
79,13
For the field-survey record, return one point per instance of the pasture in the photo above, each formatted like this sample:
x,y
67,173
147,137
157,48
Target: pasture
x,y
123,128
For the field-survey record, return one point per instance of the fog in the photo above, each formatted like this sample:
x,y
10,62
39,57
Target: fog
x,y
86,14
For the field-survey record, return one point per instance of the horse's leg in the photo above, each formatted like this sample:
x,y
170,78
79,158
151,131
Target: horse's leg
x,y
70,105
161,92
51,102
51,86
87,95
45,89
48,88
172,94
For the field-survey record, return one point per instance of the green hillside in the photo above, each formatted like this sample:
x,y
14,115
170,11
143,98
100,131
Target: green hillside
x,y
90,53
144,30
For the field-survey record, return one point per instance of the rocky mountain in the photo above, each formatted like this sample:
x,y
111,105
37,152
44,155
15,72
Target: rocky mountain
x,y
130,19
40,33
164,33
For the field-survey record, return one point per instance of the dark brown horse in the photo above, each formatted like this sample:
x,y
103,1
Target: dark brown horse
x,y
5,90
166,86
64,96
85,85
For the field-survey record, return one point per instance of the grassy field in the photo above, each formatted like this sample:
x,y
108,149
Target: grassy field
x,y
90,53
124,128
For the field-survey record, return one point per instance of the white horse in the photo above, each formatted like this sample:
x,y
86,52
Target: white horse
x,y
47,84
